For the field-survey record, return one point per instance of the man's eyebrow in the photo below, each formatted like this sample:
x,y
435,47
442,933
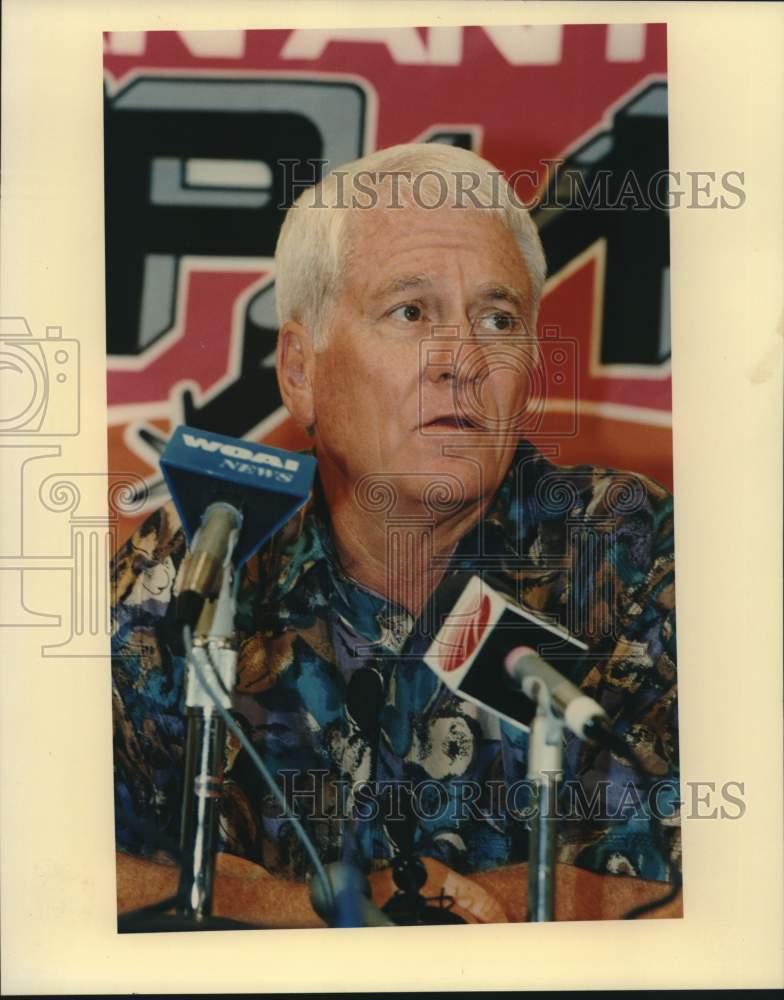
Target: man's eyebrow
x,y
403,284
502,293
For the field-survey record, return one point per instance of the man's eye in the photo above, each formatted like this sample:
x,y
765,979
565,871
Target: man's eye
x,y
499,323
408,312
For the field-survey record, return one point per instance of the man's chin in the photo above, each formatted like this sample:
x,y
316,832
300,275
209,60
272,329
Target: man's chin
x,y
444,477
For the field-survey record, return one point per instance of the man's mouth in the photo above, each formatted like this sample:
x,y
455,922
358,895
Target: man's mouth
x,y
449,422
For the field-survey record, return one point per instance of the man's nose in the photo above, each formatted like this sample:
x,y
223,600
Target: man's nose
x,y
452,353
440,352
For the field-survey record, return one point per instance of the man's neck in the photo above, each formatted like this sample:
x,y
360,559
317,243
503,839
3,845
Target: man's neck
x,y
402,558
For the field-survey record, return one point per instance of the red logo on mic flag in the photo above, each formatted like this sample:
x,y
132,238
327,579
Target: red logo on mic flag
x,y
469,636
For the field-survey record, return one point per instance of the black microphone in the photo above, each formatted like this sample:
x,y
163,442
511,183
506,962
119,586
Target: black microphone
x,y
486,644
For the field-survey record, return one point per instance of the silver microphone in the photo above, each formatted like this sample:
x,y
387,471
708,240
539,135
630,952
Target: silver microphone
x,y
212,544
580,713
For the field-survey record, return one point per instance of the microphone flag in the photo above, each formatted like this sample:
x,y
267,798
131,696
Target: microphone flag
x,y
268,485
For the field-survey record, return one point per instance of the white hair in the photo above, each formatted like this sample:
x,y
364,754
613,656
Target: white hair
x,y
314,247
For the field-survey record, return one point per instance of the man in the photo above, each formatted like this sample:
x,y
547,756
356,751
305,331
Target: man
x,y
408,285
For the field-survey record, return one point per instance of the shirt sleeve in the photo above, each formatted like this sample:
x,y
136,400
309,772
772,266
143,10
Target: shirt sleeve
x,y
611,823
147,688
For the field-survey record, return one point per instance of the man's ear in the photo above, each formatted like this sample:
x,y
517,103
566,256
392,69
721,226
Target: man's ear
x,y
294,361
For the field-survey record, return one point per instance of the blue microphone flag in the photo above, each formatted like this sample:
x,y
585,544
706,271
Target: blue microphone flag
x,y
266,484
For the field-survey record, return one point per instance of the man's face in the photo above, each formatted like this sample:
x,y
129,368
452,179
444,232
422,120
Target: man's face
x,y
424,373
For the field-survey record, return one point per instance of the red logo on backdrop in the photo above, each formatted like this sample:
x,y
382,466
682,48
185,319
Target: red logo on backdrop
x,y
469,637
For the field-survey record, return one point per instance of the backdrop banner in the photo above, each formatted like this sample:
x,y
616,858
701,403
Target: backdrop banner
x,y
209,136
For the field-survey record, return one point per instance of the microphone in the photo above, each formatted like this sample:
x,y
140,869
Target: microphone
x,y
351,905
232,495
580,713
486,645
212,545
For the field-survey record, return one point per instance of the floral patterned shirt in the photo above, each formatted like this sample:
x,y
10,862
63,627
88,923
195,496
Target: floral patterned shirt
x,y
373,752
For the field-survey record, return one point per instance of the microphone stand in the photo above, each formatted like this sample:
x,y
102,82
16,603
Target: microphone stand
x,y
214,645
215,654
545,770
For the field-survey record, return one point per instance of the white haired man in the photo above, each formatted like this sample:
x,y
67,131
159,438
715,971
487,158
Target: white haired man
x,y
407,286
